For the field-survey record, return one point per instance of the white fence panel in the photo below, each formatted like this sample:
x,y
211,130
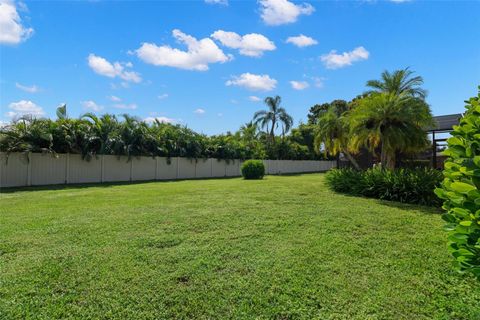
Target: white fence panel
x,y
167,168
82,171
143,168
116,169
232,168
186,168
271,166
47,169
218,168
14,170
203,168
327,165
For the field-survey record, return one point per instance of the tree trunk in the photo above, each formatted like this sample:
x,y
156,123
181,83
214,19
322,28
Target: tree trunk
x,y
383,156
352,160
391,161
272,133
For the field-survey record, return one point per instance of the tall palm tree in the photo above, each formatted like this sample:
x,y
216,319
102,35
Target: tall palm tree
x,y
273,116
395,123
399,82
332,132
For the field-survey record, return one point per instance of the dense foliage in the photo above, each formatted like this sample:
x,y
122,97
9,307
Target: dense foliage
x,y
91,135
413,186
390,118
460,190
253,169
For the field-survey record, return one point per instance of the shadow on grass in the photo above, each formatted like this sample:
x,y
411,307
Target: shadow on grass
x,y
120,183
96,185
409,206
398,205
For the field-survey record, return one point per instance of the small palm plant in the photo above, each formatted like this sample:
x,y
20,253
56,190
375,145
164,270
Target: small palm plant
x,y
332,132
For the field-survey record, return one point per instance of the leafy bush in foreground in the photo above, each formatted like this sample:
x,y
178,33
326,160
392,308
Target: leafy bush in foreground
x,y
253,169
403,185
460,190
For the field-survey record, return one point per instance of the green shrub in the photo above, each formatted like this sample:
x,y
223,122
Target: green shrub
x,y
460,190
403,185
253,169
346,180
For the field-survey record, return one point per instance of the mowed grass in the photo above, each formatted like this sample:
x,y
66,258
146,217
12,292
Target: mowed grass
x,y
281,248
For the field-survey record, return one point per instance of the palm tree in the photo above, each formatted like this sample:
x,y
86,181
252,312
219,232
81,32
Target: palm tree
x,y
398,82
332,133
248,131
393,122
273,116
62,112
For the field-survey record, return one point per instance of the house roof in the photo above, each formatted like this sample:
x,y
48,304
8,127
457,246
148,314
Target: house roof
x,y
445,122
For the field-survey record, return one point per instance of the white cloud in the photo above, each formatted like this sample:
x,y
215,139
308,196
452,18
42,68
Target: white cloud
x,y
131,106
163,96
252,44
11,29
333,60
197,57
277,12
318,82
30,89
253,81
23,108
302,41
299,85
222,2
91,105
160,119
114,99
254,98
199,111
105,68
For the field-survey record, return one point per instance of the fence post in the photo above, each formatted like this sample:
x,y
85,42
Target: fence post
x,y
29,169
102,179
176,177
131,169
67,168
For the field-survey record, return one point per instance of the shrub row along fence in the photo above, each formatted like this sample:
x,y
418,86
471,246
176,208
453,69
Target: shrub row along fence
x,y
44,169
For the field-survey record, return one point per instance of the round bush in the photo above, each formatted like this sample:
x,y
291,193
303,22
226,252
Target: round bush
x,y
253,169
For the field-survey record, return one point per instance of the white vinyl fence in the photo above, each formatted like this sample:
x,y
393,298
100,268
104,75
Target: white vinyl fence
x,y
44,169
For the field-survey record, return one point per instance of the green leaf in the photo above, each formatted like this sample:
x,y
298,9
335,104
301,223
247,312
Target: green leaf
x,y
462,187
460,212
466,223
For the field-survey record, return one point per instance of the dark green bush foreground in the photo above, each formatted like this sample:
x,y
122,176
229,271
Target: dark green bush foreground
x,y
403,185
253,169
460,190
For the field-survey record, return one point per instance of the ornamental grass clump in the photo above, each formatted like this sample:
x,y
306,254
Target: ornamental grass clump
x,y
460,190
413,186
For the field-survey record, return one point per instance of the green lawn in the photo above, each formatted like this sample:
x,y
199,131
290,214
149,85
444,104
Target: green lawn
x,y
281,248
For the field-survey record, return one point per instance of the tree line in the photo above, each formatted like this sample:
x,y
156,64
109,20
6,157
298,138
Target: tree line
x,y
388,119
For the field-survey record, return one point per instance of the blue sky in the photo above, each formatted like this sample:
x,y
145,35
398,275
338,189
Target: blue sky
x,y
202,64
